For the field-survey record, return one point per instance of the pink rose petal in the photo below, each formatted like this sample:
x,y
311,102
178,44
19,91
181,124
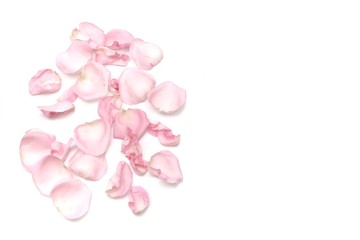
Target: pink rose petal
x,y
93,137
59,108
68,95
135,84
118,39
165,166
90,33
108,107
144,54
167,97
88,166
138,199
114,86
164,134
93,82
135,119
71,198
49,173
107,56
76,56
120,182
44,81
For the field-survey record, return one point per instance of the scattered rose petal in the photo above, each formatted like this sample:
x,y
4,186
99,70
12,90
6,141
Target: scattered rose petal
x,y
68,95
93,82
118,39
165,166
167,97
49,172
121,181
88,166
90,33
114,86
144,54
108,107
71,198
45,81
57,109
135,119
164,134
93,137
108,56
135,84
76,56
138,199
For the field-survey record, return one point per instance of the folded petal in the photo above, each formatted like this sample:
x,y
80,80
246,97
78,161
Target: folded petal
x,y
68,95
164,134
144,54
93,82
121,181
90,33
59,108
114,86
167,97
165,166
49,173
135,84
138,199
88,166
108,107
76,56
135,119
45,81
118,39
107,56
71,198
93,137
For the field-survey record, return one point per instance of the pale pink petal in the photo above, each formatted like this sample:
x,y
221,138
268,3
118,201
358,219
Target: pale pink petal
x,y
49,172
93,137
107,56
76,56
59,108
135,84
71,198
165,166
118,39
164,134
144,54
132,151
114,86
88,166
68,95
45,81
36,144
93,82
90,33
121,181
138,199
108,107
167,97
135,119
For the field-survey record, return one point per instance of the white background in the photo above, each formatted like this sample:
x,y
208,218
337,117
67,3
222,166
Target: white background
x,y
270,133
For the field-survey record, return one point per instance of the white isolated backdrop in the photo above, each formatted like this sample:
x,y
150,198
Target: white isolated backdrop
x,y
270,132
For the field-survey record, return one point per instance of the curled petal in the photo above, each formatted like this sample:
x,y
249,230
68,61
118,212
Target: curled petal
x,y
68,95
138,199
120,182
118,39
167,97
93,82
45,81
165,166
90,33
36,144
108,107
76,56
88,166
164,134
49,173
144,54
135,84
107,56
93,137
114,86
71,198
56,109
135,119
